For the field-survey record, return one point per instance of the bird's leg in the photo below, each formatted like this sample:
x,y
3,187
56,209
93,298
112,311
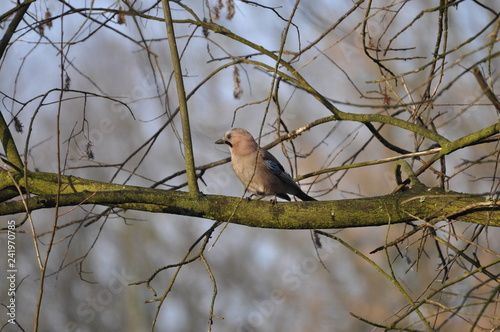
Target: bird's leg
x,y
249,198
274,200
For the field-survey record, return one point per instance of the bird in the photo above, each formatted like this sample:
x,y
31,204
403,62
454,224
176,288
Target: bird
x,y
259,171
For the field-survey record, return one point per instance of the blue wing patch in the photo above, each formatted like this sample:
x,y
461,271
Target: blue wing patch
x,y
274,167
279,171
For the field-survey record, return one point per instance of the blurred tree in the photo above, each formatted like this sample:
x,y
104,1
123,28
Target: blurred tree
x,y
111,110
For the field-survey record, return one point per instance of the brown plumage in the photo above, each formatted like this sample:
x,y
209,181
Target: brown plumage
x,y
267,177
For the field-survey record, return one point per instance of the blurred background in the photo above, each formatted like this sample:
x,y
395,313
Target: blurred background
x,y
120,95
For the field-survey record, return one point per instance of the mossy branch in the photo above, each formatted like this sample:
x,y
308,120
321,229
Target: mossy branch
x,y
9,146
418,202
20,10
13,159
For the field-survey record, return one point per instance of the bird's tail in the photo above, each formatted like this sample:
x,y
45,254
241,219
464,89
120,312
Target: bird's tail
x,y
305,197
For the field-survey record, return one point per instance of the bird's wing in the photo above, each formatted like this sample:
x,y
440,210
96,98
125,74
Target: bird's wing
x,y
274,165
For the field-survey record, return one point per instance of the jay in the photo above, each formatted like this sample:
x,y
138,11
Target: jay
x,y
268,177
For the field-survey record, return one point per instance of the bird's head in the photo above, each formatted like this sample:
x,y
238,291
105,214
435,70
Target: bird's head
x,y
236,136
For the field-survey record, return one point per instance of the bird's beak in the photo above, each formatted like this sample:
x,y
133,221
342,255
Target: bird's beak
x,y
220,141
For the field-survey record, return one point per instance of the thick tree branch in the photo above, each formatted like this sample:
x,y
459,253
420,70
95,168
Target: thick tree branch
x,y
20,10
9,146
419,202
8,143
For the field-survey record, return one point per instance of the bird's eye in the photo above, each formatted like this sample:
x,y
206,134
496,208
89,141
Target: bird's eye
x,y
229,136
